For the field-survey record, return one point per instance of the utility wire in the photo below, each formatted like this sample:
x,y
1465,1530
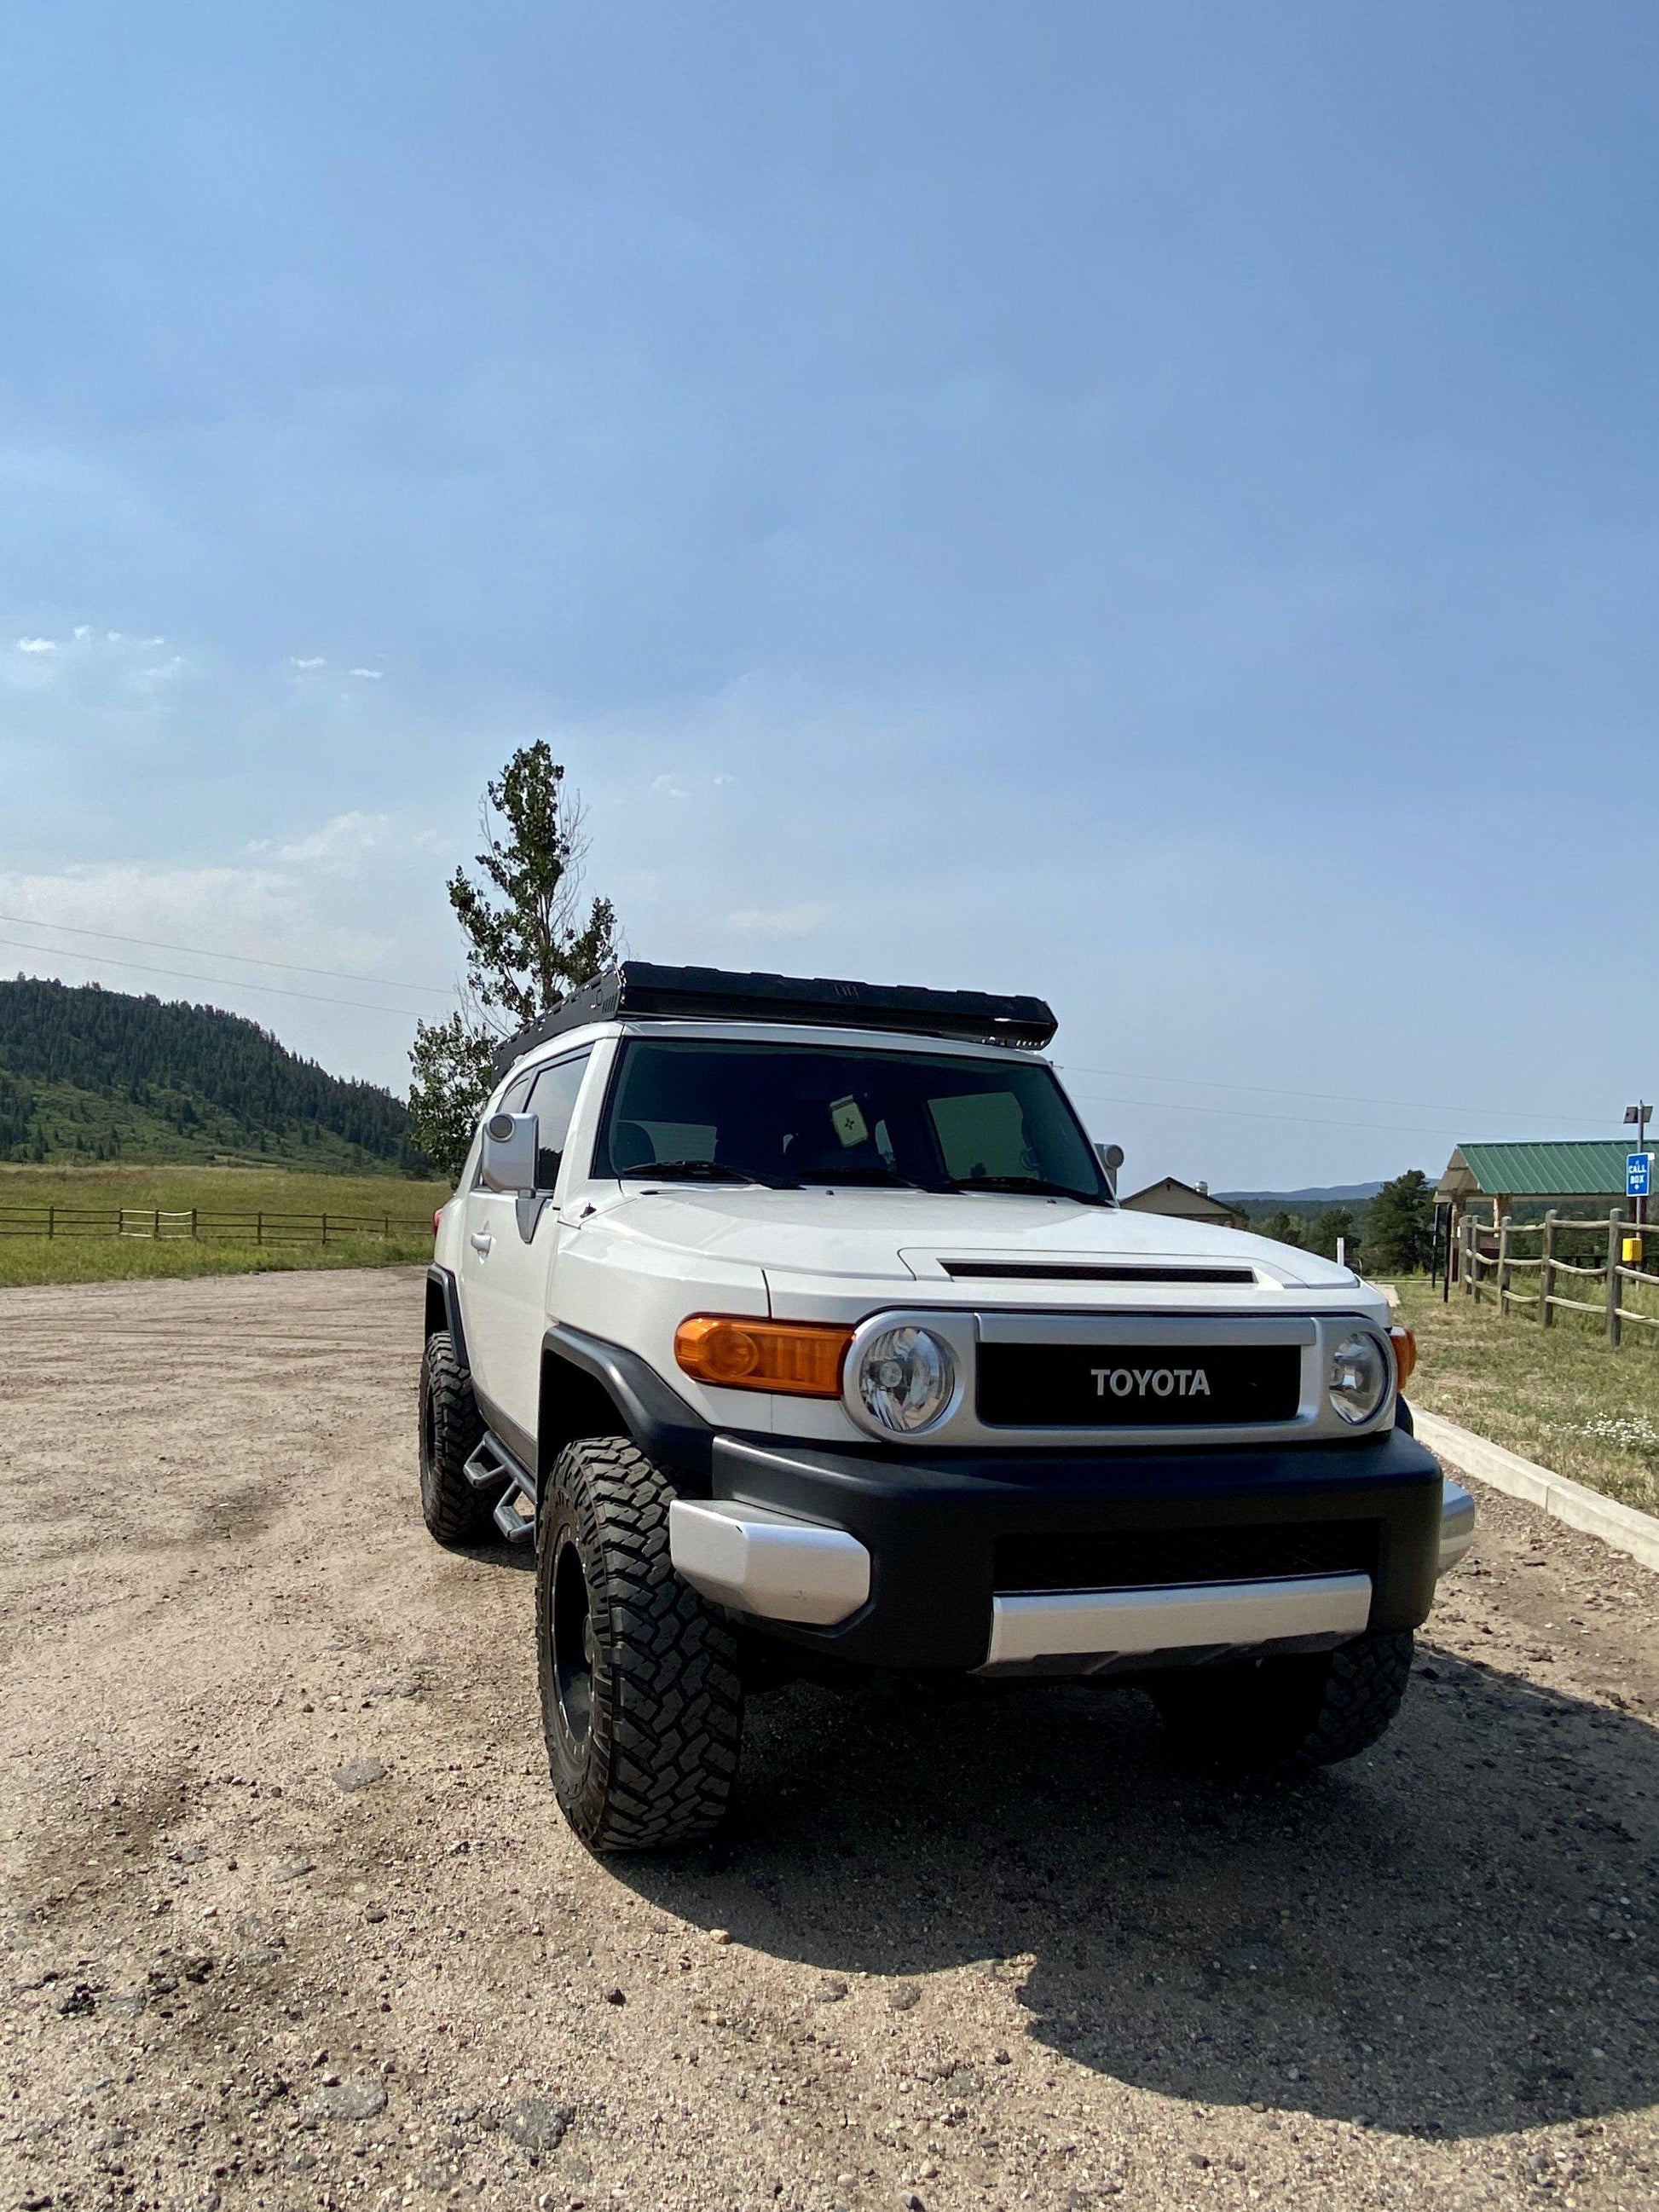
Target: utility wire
x,y
1328,1097
1257,1113
434,990
220,982
204,952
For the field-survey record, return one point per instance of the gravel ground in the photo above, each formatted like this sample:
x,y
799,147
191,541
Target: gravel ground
x,y
289,1916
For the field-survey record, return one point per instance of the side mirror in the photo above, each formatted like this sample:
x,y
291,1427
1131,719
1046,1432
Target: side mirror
x,y
1111,1159
508,1161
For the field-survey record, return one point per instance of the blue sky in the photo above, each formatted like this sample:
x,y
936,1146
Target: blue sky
x,y
1154,506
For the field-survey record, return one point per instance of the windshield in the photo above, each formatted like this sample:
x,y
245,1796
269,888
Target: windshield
x,y
787,1115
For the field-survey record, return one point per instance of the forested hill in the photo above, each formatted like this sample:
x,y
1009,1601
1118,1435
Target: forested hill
x,y
89,1074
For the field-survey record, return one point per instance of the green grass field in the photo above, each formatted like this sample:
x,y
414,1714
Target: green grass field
x,y
85,1258
1561,1396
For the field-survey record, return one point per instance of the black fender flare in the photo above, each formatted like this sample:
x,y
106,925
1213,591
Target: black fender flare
x,y
651,1410
443,1309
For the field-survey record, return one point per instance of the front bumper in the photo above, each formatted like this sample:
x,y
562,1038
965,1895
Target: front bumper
x,y
945,1562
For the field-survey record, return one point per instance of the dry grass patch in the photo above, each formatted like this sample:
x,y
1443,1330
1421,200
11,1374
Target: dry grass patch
x,y
1561,1396
406,1206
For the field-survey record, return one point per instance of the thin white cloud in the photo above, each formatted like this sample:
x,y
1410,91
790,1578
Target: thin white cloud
x,y
36,645
84,630
306,660
778,921
369,674
341,845
670,787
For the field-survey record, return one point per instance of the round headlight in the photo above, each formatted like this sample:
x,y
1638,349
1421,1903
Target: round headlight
x,y
1360,1377
906,1377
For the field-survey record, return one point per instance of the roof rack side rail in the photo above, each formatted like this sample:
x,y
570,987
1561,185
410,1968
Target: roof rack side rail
x,y
646,987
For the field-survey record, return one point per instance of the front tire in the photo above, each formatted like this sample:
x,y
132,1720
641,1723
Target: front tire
x,y
452,1429
1288,1714
642,1700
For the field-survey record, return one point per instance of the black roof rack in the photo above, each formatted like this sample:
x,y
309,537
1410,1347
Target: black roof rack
x,y
642,987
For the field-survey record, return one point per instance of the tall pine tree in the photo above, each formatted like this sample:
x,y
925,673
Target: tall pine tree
x,y
529,944
1398,1224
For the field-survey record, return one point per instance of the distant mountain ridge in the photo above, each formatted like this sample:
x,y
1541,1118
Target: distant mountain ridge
x,y
1341,1194
89,1074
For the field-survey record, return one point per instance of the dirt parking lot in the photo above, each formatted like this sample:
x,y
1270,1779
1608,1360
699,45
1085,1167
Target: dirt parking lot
x,y
289,1916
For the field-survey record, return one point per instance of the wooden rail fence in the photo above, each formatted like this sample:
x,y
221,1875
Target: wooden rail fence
x,y
1490,1260
159,1222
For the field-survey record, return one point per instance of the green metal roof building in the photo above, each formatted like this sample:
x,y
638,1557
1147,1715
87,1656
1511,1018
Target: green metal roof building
x,y
1544,1173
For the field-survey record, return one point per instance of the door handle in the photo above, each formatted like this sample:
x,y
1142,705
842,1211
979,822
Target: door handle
x,y
481,1240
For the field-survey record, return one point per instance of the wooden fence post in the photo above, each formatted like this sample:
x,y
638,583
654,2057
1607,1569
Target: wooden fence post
x,y
259,1228
1475,1259
192,1225
1504,1265
1615,1223
52,1221
1547,1271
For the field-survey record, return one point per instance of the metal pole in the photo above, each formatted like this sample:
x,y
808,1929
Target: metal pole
x,y
1644,1113
1547,1272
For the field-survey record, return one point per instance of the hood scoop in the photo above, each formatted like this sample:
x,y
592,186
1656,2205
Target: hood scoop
x,y
1061,1270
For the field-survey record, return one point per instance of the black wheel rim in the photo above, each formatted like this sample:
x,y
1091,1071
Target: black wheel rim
x,y
573,1642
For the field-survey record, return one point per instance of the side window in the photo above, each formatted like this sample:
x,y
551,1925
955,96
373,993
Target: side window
x,y
553,1101
513,1100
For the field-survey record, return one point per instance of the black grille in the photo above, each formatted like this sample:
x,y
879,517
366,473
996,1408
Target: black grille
x,y
1146,1559
1132,1386
1040,1271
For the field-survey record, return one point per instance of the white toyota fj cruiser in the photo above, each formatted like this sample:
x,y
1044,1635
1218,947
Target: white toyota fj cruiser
x,y
798,1325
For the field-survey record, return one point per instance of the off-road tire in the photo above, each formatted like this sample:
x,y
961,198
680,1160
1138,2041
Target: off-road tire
x,y
1289,1714
451,1432
656,1759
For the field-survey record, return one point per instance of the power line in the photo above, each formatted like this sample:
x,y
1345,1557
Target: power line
x,y
1256,1114
1325,1098
1115,1074
204,952
219,983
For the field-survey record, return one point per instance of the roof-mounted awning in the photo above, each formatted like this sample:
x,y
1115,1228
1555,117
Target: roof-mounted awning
x,y
642,987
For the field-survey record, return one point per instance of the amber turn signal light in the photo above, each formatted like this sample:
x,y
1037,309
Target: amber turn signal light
x,y
1405,1353
798,1358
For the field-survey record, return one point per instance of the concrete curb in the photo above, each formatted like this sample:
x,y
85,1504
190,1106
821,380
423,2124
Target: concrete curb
x,y
1621,1526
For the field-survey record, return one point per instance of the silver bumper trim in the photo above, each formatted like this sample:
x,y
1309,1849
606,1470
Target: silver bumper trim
x,y
763,1563
1456,1523
1075,1623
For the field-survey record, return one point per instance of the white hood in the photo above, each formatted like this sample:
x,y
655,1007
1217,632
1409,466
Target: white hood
x,y
903,1236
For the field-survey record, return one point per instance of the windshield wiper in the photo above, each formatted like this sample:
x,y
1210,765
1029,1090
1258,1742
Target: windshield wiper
x,y
1027,1187
705,1172
869,1178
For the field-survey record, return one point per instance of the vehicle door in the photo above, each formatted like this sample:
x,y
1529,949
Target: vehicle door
x,y
484,1216
511,1250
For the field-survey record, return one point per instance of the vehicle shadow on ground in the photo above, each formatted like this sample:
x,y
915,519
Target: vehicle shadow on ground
x,y
1430,1939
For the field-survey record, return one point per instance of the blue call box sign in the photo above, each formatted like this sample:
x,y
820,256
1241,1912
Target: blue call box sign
x,y
1638,1167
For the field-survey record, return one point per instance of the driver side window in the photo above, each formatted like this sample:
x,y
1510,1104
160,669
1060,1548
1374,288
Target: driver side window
x,y
553,1101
